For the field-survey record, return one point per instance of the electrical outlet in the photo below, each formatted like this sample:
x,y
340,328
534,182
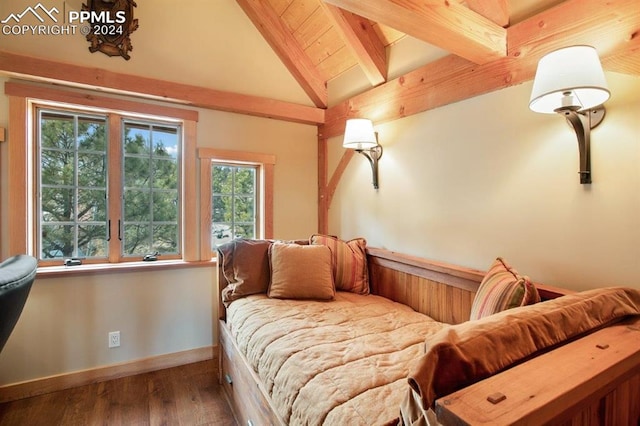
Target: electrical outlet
x,y
114,339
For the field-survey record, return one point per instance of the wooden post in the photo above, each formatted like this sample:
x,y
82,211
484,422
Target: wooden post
x,y
327,187
323,201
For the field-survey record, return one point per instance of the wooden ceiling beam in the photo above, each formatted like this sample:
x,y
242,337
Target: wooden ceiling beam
x,y
625,62
445,24
86,77
614,30
282,41
362,40
495,10
611,27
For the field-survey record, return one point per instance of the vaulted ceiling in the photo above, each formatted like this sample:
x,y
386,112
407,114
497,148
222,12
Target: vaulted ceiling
x,y
481,45
318,40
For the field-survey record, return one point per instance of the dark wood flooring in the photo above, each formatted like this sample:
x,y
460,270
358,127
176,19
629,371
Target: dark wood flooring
x,y
188,395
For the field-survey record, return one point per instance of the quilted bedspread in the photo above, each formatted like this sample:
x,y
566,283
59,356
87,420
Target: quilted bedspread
x,y
342,362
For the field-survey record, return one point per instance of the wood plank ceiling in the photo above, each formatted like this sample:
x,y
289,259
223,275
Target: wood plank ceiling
x,y
318,40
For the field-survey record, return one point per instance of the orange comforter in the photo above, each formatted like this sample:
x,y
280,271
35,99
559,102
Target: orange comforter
x,y
340,362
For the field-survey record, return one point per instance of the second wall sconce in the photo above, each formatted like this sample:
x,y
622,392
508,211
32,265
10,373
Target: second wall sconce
x,y
359,135
570,82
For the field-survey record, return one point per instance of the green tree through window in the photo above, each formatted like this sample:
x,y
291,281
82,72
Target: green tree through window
x,y
73,184
74,173
151,198
233,202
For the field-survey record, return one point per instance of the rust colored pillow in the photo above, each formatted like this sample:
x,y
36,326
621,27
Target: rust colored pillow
x,y
300,272
350,271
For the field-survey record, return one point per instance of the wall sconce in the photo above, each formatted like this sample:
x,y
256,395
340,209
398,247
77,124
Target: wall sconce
x,y
570,81
359,135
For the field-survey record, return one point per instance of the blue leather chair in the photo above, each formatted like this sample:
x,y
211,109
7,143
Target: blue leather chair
x,y
16,277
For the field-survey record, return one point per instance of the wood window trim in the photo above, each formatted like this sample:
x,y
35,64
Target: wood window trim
x,y
265,161
21,96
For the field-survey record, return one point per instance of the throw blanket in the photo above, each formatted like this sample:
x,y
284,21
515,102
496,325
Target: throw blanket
x,y
342,362
469,352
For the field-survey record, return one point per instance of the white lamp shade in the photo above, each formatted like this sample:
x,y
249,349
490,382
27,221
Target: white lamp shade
x,y
569,77
359,134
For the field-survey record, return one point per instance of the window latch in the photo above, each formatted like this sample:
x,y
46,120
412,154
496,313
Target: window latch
x,y
151,257
72,262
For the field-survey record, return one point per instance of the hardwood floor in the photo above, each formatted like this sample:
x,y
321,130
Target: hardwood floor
x,y
186,395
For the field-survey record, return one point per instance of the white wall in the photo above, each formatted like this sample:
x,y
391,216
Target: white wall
x,y
66,321
487,177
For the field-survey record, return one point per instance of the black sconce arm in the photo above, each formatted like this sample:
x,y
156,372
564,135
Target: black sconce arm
x,y
373,155
582,123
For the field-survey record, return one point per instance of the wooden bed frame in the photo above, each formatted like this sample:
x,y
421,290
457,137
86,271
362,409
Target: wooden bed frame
x,y
597,380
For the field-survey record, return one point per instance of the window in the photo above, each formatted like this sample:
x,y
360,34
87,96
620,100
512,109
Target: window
x,y
150,194
98,183
234,200
236,196
72,185
73,172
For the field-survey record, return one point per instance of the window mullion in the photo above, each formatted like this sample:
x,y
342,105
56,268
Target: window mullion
x,y
233,202
76,192
114,190
206,208
151,178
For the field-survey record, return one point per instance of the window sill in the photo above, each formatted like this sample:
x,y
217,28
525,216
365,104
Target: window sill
x,y
92,269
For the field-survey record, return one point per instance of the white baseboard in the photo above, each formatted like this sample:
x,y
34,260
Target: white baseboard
x,y
45,385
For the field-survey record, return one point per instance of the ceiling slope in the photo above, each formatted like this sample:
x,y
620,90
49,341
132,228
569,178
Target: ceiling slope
x,y
282,41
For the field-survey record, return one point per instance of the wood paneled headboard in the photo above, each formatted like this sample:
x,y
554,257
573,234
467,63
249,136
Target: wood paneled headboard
x,y
409,279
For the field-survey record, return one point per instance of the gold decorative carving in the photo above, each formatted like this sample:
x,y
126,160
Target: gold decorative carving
x,y
111,24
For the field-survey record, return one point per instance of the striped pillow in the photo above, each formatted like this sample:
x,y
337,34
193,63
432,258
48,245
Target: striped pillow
x,y
501,289
350,271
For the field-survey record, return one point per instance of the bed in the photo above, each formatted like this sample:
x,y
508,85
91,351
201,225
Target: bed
x,y
389,341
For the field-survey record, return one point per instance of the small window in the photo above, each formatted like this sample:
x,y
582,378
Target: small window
x,y
236,198
234,202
